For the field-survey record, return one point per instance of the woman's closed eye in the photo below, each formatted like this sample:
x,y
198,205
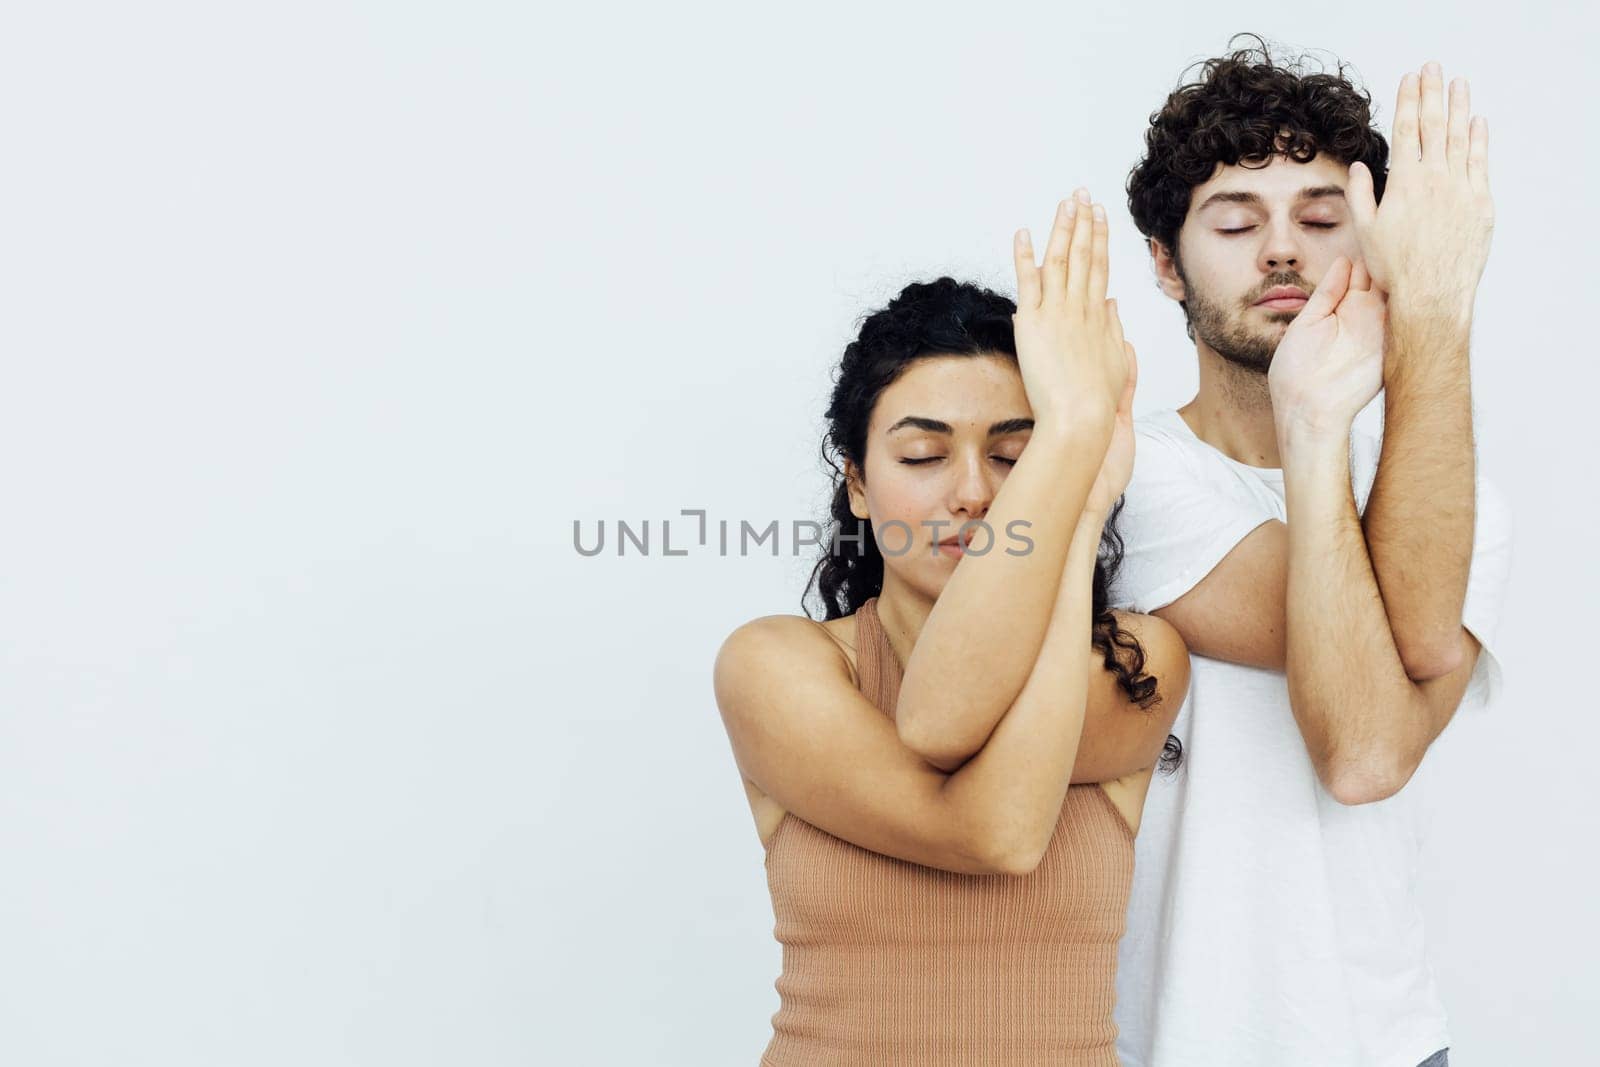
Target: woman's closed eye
x,y
1007,460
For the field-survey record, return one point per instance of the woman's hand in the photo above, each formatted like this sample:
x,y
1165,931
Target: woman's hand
x,y
1070,350
1117,467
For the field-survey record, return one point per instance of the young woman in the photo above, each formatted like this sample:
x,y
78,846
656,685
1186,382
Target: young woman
x,y
942,895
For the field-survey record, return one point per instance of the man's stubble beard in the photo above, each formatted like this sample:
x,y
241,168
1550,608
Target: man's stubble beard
x,y
1233,340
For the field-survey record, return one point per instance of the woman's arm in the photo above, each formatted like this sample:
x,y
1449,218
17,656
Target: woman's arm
x,y
1119,737
1019,778
808,738
979,644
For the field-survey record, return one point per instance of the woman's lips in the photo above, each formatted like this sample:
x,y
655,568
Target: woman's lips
x,y
951,549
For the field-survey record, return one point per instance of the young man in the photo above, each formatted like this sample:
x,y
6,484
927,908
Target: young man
x,y
1274,919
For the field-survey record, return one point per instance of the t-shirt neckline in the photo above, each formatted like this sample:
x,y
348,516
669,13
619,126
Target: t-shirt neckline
x,y
1274,474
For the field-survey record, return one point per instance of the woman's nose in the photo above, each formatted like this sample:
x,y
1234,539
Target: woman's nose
x,y
973,490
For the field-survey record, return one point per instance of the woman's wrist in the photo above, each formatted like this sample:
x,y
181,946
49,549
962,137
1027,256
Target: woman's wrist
x,y
1090,528
1091,524
1084,424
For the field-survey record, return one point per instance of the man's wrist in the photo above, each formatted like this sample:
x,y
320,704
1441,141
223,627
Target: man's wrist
x,y
1436,311
1303,444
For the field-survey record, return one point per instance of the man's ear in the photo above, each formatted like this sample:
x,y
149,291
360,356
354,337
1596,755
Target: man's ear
x,y
1167,272
858,494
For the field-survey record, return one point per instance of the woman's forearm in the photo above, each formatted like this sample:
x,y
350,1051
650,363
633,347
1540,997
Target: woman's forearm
x,y
1016,783
984,634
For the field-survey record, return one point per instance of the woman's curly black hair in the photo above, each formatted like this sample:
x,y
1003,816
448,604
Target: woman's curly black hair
x,y
940,318
1245,108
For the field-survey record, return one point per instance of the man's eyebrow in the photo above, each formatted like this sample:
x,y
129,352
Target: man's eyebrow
x,y
1311,192
920,422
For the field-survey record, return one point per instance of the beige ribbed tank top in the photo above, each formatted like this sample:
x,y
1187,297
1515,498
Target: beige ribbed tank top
x,y
888,962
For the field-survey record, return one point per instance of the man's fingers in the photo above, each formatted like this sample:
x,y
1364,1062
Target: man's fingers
x,y
1053,276
1460,117
1330,290
1027,270
1432,115
1099,261
1082,248
1478,154
1359,196
1360,280
1407,147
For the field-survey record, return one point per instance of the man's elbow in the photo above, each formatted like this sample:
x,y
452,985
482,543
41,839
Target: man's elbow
x,y
1433,657
1366,780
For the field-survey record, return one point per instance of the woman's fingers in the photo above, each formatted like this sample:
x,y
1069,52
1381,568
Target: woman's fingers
x,y
1082,250
1054,275
1115,321
1027,270
1099,265
1126,404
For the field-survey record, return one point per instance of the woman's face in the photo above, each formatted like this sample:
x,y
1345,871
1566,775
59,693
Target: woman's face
x,y
941,440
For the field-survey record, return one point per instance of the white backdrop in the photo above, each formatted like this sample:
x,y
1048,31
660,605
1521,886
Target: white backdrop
x,y
320,743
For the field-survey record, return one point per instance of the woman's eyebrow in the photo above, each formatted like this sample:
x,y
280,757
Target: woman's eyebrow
x,y
922,422
1010,426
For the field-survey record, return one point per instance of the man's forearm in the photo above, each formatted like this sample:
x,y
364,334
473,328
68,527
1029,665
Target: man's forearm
x,y
1363,719
1419,517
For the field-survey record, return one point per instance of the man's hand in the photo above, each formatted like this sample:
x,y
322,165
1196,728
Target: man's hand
x,y
1329,364
1428,241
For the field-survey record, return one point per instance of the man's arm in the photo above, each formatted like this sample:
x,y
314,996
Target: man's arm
x,y
1366,724
1237,612
1426,248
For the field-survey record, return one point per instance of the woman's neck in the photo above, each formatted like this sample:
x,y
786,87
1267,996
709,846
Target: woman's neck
x,y
903,612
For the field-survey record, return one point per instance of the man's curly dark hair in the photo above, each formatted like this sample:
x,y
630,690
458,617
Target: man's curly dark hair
x,y
1245,109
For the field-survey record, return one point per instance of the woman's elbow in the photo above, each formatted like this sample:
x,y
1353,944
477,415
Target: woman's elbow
x,y
935,748
1018,859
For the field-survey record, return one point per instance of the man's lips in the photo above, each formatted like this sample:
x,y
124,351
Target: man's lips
x,y
1284,297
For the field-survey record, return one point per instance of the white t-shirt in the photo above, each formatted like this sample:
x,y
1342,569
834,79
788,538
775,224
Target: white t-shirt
x,y
1269,925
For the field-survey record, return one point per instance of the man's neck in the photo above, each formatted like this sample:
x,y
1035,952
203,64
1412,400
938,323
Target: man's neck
x,y
1232,412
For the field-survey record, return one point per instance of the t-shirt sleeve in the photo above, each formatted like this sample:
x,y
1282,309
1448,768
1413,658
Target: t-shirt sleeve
x,y
1487,578
1182,512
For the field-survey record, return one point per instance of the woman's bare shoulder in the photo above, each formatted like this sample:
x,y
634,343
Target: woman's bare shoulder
x,y
797,638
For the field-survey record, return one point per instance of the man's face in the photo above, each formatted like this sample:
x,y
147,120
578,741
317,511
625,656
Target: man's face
x,y
1250,232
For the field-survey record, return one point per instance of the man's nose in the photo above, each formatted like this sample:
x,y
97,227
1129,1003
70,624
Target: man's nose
x,y
1281,249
